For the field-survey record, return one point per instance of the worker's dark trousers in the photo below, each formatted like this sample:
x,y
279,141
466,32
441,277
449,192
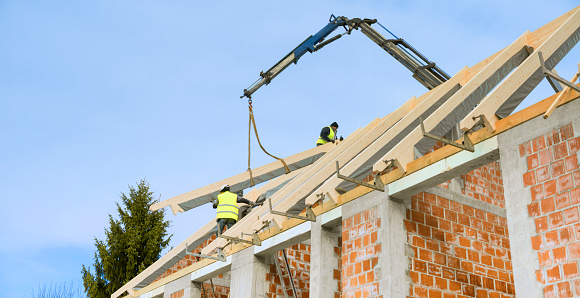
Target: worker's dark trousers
x,y
222,222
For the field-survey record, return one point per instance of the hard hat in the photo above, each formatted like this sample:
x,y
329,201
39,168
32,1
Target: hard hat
x,y
225,187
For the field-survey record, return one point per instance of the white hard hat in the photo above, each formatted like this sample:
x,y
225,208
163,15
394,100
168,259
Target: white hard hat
x,y
224,187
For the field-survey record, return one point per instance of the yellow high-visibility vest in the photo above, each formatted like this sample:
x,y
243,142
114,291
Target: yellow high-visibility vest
x,y
330,136
228,205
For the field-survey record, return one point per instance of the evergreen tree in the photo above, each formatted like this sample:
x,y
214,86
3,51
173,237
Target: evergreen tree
x,y
133,242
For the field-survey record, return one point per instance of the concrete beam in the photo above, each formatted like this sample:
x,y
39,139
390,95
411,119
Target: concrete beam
x,y
211,270
443,170
467,200
283,240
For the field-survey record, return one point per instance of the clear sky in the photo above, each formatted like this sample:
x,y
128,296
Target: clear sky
x,y
96,95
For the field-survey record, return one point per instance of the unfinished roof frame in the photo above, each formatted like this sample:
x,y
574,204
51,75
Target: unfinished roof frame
x,y
558,36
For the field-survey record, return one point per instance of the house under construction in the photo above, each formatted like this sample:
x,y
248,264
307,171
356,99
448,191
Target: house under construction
x,y
451,195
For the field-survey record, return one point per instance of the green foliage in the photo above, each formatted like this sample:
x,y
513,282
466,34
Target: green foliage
x,y
133,242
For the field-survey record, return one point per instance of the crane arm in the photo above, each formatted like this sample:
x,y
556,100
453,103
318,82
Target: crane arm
x,y
424,71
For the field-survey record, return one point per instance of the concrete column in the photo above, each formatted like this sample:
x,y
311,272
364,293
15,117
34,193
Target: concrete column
x,y
323,261
184,284
195,291
248,275
394,279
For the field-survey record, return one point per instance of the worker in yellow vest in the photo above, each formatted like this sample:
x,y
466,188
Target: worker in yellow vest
x,y
328,134
227,208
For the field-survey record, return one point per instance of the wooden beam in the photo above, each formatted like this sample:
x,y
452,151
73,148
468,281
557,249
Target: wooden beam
x,y
491,103
540,35
393,127
561,95
245,225
404,151
204,194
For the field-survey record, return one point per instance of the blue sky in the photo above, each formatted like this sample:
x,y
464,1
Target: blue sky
x,y
96,95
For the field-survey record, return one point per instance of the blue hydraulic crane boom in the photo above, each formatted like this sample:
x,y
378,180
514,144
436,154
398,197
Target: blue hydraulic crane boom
x,y
424,71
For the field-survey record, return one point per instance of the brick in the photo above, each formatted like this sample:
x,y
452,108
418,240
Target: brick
x,y
544,258
424,230
548,205
566,234
534,209
575,196
570,270
562,200
448,273
524,149
551,239
574,145
560,151
529,178
571,215
565,182
558,168
550,187
564,290
538,144
542,174
571,163
541,224
544,157
559,254
556,220
553,274
537,192
533,161
431,221
577,286
467,266
574,250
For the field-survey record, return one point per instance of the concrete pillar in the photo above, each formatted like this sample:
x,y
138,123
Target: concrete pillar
x,y
394,280
185,284
323,261
385,221
248,275
195,290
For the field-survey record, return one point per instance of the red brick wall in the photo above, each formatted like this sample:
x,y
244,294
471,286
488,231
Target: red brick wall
x,y
485,184
220,291
299,260
177,294
554,181
459,251
360,252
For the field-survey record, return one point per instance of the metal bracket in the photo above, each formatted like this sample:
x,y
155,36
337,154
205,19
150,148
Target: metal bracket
x,y
255,239
220,254
265,225
467,144
378,185
554,76
310,216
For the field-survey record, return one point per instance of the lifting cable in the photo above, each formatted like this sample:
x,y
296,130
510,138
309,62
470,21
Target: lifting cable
x,y
253,121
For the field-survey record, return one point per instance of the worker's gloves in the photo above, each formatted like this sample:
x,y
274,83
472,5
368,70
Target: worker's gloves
x,y
341,138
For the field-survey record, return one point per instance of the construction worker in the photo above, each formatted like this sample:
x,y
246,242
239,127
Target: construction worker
x,y
328,134
227,208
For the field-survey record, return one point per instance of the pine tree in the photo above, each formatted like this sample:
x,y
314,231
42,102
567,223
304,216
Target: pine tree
x,y
133,242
